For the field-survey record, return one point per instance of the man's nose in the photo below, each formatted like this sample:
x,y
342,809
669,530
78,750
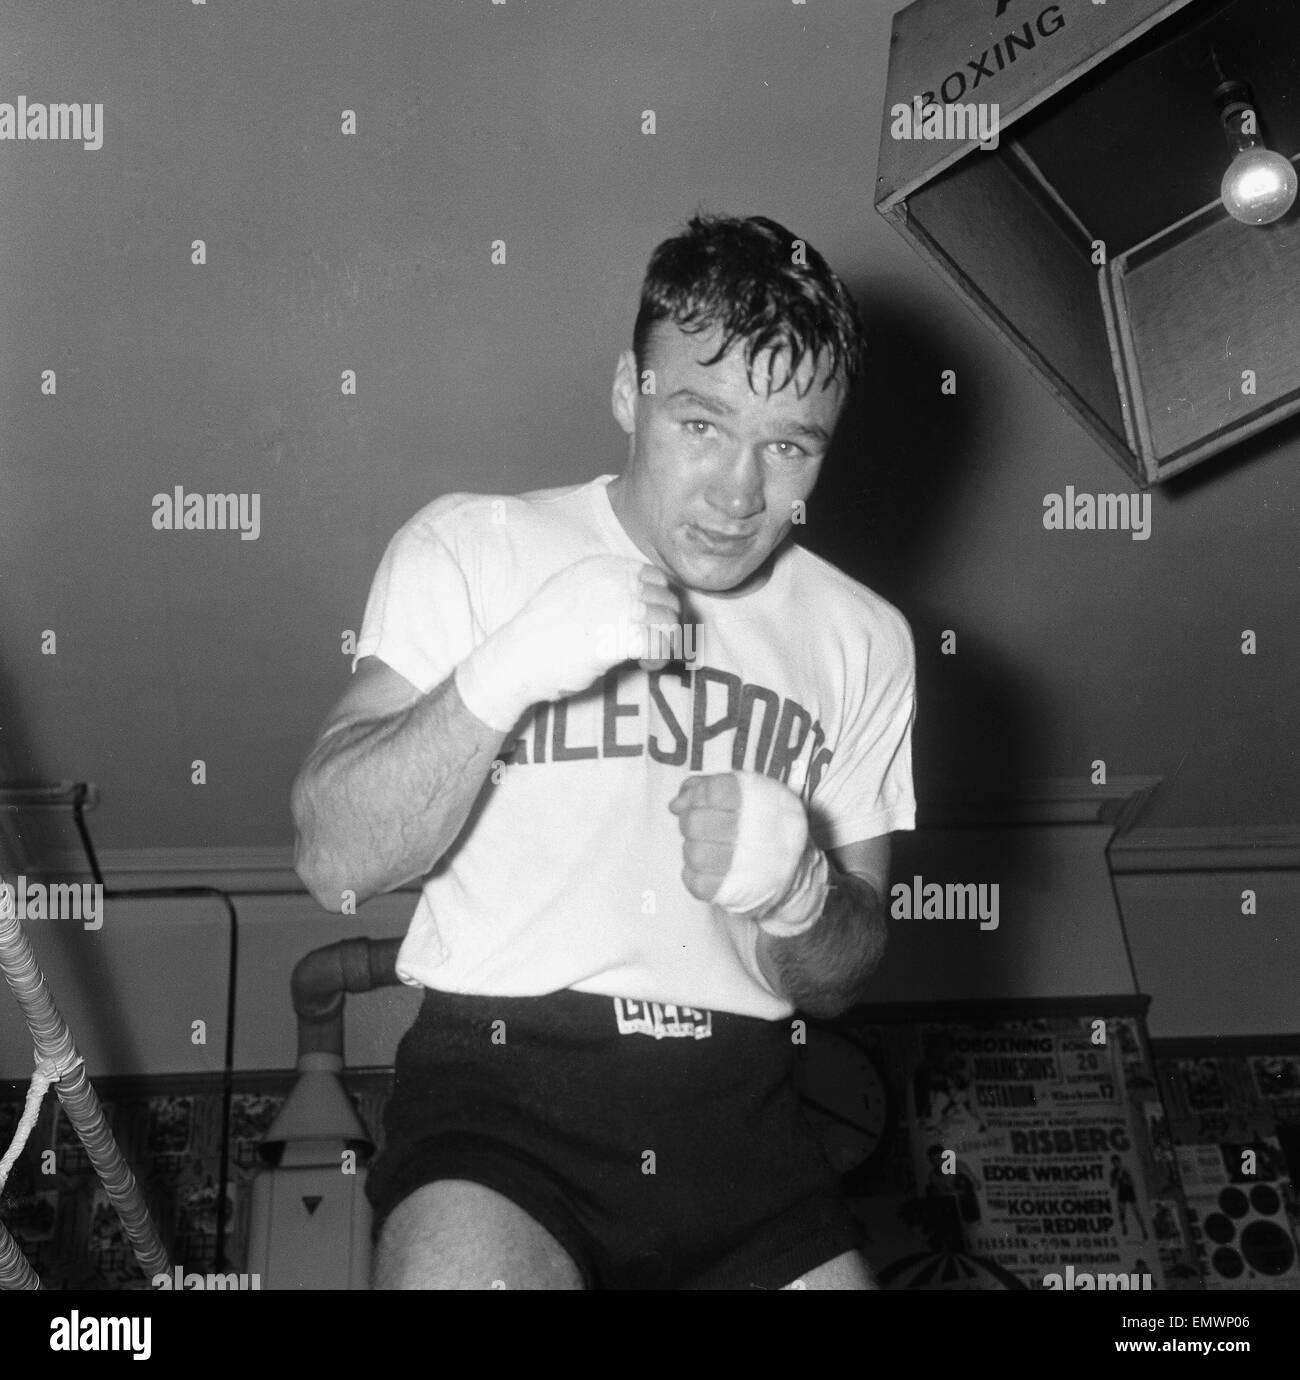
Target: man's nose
x,y
736,486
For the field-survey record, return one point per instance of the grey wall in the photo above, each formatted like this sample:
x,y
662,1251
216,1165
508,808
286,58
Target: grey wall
x,y
522,122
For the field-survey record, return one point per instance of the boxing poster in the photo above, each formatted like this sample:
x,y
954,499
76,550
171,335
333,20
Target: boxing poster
x,y
1028,1154
1233,1118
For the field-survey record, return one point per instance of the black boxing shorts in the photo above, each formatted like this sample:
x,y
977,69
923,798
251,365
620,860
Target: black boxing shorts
x,y
663,1147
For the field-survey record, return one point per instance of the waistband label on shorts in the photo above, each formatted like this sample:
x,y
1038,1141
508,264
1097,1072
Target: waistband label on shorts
x,y
654,1018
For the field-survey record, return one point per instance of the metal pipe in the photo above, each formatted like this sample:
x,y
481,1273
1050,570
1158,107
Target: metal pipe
x,y
53,1041
322,977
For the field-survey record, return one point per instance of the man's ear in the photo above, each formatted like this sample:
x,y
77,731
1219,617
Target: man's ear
x,y
626,391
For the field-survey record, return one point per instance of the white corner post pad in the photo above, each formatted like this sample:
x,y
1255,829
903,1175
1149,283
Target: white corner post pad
x,y
777,873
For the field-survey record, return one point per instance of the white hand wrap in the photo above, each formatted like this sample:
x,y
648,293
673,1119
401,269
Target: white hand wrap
x,y
776,869
586,618
493,686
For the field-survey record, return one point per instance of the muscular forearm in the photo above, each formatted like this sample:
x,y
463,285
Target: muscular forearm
x,y
379,801
824,971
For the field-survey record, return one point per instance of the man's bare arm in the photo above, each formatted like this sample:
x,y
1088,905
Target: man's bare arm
x,y
825,965
826,970
394,775
388,785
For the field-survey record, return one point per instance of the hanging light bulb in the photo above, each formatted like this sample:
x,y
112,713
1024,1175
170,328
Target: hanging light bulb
x,y
1260,185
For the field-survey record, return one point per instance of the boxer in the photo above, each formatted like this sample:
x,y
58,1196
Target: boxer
x,y
639,855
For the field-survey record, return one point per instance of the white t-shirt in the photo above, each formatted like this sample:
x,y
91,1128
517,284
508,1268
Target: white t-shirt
x,y
568,871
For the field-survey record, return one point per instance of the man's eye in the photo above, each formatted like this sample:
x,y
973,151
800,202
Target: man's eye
x,y
694,423
787,450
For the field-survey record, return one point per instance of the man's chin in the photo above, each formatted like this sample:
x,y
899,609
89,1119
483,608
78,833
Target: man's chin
x,y
718,575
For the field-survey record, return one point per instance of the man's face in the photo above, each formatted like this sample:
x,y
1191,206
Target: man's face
x,y
715,465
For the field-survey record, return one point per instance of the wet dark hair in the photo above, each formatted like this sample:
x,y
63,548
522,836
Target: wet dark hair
x,y
744,276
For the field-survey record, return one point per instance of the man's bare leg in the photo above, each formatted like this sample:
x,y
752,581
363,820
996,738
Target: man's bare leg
x,y
455,1234
847,1271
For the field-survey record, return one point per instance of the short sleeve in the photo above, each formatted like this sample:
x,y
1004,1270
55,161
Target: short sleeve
x,y
866,790
419,617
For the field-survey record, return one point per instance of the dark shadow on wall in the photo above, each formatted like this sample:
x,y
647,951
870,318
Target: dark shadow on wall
x,y
896,479
1281,438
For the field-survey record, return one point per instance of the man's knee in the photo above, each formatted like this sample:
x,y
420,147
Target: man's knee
x,y
455,1234
847,1271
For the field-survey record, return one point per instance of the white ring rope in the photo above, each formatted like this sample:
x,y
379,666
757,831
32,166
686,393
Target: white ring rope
x,y
59,1063
47,1072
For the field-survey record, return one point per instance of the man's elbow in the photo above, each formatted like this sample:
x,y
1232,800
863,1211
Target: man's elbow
x,y
309,861
832,1003
314,877
864,977
337,893
854,988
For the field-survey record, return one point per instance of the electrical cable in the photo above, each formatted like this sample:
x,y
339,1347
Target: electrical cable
x,y
228,1061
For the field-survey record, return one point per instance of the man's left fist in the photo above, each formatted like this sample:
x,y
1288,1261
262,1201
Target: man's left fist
x,y
746,849
708,814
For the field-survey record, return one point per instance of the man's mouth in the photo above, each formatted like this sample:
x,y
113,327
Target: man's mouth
x,y
719,543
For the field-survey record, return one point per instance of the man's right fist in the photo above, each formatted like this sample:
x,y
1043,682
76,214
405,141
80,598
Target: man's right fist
x,y
593,614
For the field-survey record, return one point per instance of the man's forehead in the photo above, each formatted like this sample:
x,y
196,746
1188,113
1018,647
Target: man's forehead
x,y
767,374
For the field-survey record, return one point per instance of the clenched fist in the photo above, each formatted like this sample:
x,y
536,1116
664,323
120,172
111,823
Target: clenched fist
x,y
746,849
593,614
